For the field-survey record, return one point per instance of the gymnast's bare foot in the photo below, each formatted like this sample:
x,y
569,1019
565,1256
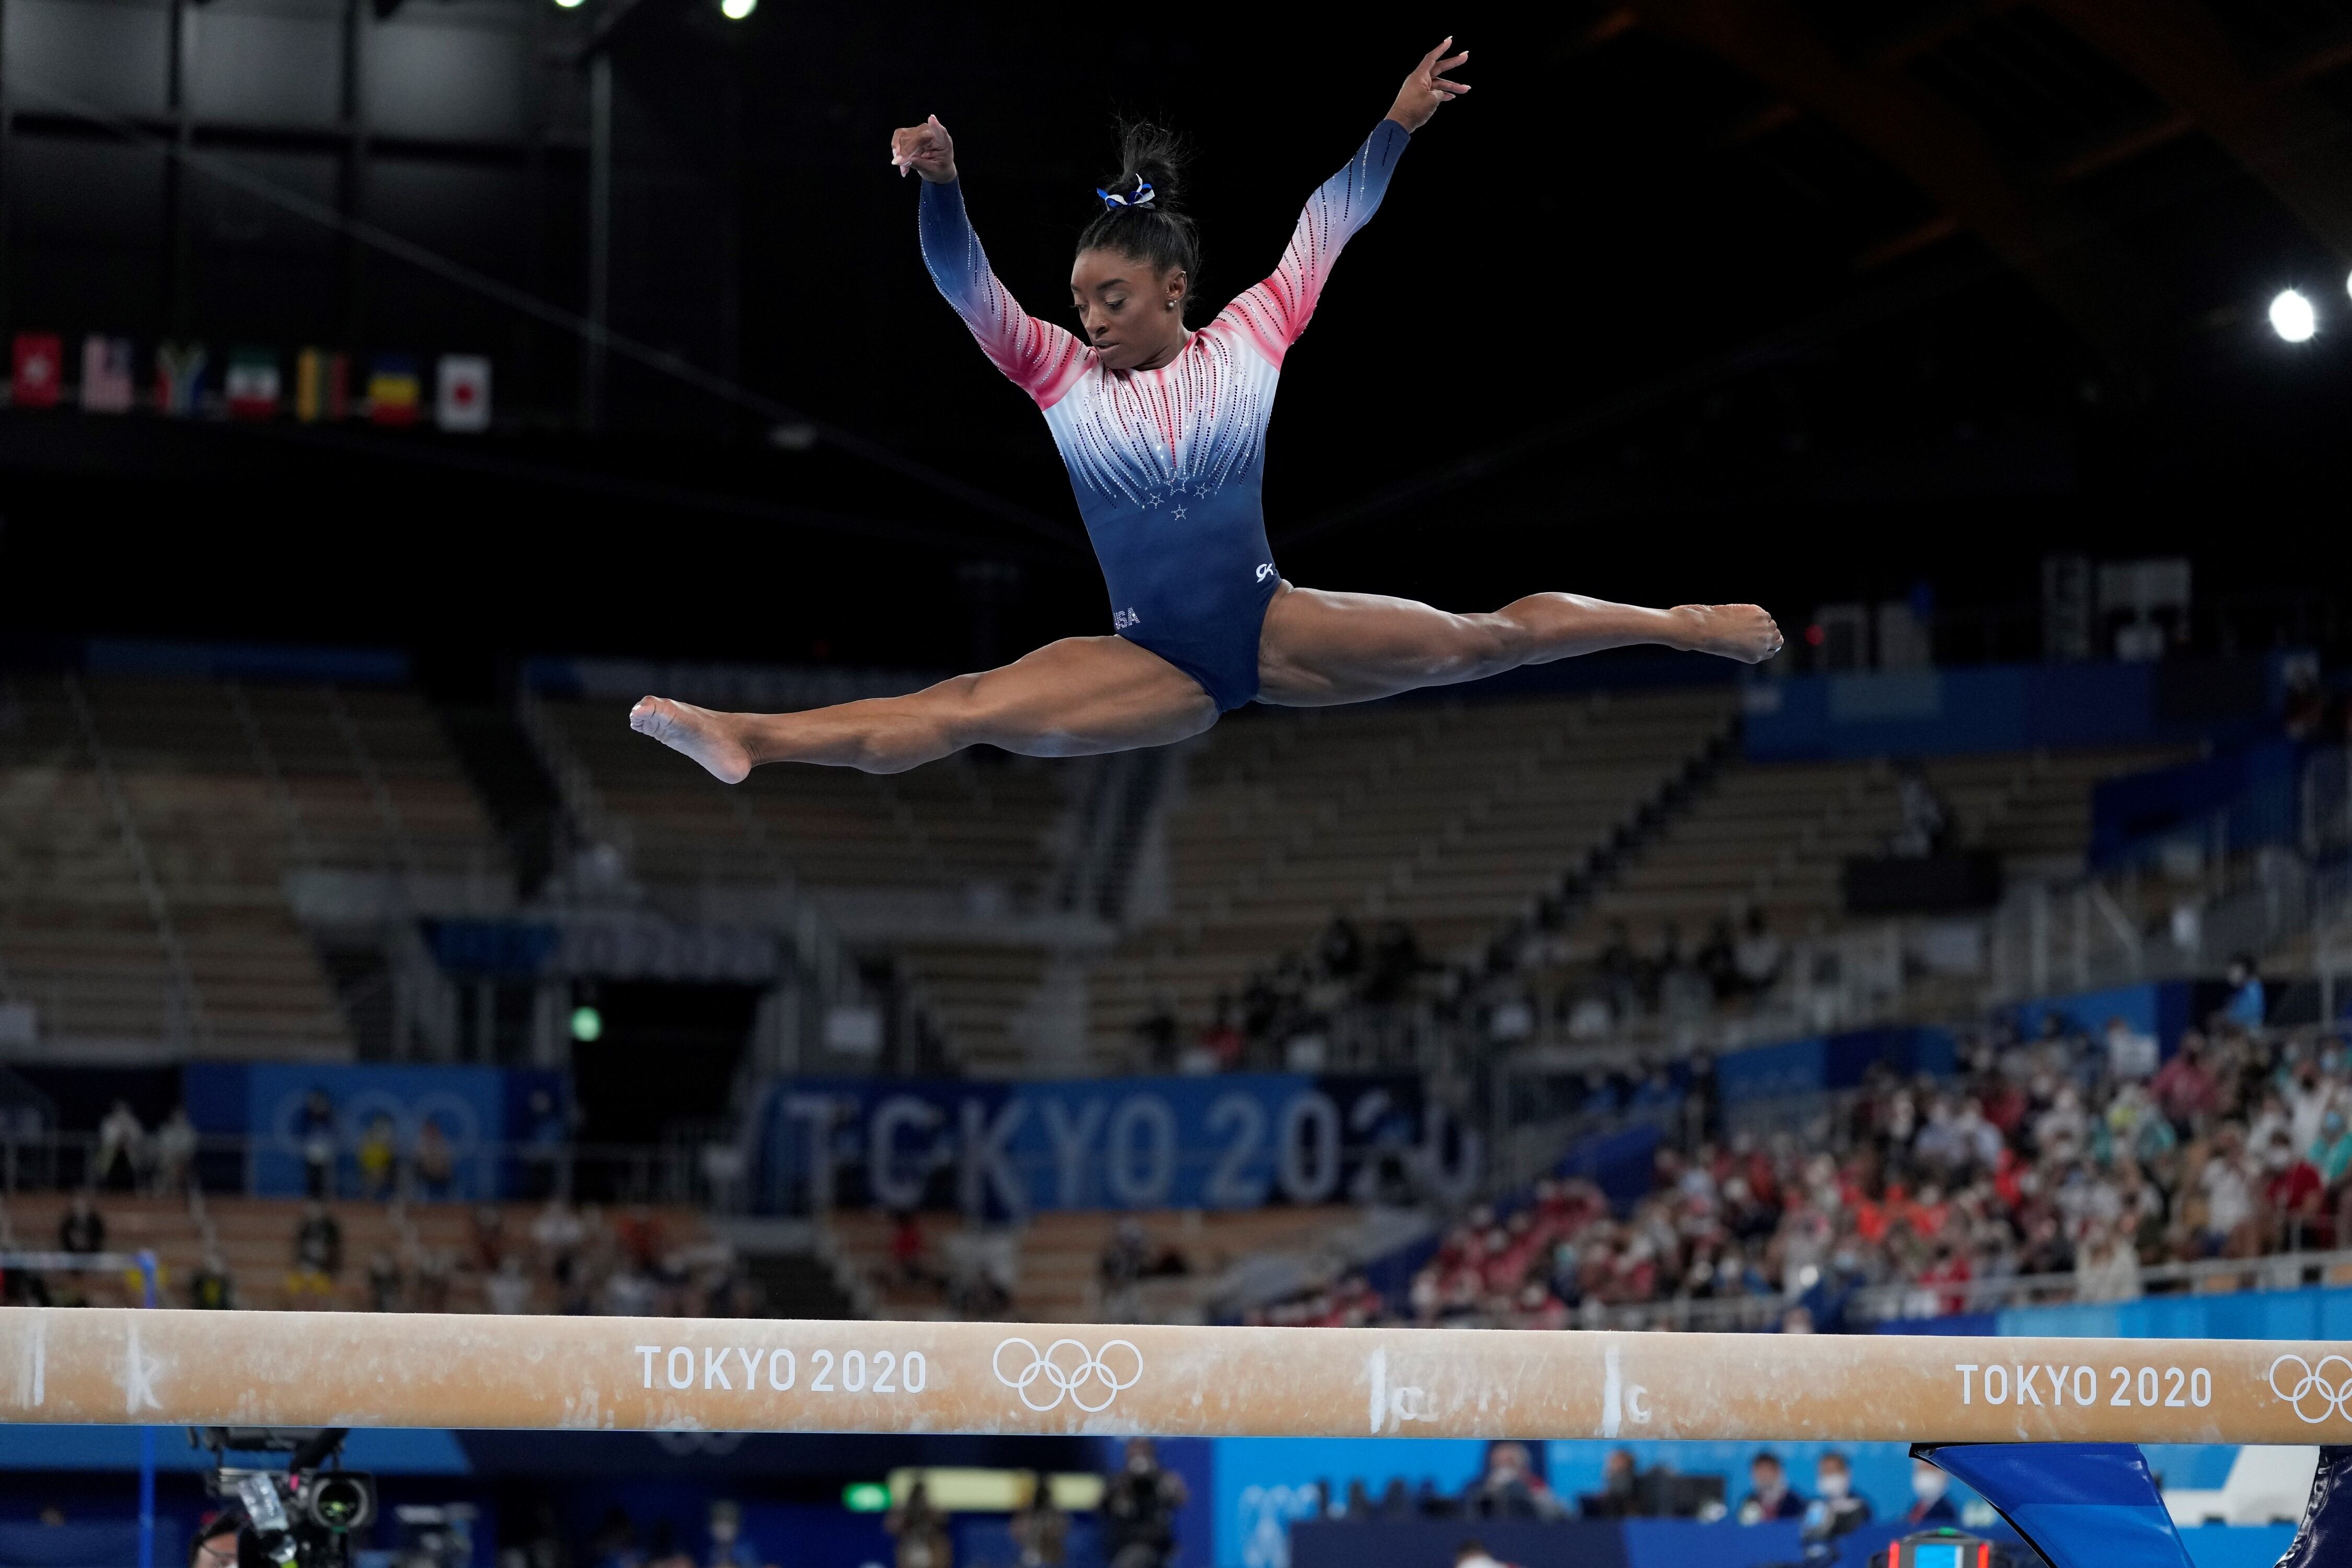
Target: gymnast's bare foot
x,y
709,737
1743,632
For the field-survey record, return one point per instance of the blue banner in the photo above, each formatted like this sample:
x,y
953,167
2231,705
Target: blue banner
x,y
2257,789
292,1111
1832,1061
1234,1142
2006,707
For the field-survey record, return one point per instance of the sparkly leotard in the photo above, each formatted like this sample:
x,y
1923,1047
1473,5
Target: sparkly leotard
x,y
1168,464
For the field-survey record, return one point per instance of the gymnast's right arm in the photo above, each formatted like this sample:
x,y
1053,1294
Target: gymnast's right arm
x,y
1040,358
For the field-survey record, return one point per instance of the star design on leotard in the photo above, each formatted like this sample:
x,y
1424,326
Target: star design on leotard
x,y
1180,514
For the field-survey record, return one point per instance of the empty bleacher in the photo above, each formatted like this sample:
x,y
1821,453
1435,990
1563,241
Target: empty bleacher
x,y
1059,1254
147,832
940,830
1776,835
2034,809
1455,817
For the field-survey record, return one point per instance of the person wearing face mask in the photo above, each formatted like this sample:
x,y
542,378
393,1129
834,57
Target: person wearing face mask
x,y
2331,1155
1511,1489
2331,1152
1769,1496
1836,1508
2293,1189
1930,1505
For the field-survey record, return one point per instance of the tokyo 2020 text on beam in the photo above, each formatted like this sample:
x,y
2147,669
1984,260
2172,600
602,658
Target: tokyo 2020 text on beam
x,y
303,1369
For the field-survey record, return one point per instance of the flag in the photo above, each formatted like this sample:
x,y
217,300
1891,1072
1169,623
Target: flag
x,y
179,377
251,384
106,382
40,366
322,385
393,390
465,400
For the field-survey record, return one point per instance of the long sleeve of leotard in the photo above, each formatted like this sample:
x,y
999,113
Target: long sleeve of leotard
x,y
1272,313
1040,358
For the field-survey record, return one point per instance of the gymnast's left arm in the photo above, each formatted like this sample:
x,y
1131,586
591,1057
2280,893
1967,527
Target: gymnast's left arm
x,y
1272,313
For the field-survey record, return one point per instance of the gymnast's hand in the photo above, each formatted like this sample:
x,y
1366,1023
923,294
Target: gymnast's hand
x,y
927,149
1425,89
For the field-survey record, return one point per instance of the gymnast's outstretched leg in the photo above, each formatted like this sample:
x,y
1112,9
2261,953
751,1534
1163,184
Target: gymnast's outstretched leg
x,y
1320,647
1069,698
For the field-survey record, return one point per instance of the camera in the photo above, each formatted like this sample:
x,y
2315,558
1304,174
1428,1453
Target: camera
x,y
301,1517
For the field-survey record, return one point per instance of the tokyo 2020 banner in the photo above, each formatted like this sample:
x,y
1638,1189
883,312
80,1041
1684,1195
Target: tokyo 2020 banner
x,y
1239,1141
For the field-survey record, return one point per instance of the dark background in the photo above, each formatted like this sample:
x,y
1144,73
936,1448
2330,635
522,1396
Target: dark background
x,y
1673,305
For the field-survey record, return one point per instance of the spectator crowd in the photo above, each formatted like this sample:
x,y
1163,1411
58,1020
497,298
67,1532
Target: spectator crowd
x,y
2081,1159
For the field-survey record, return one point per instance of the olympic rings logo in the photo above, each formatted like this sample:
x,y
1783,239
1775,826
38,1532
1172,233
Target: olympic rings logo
x,y
1090,1384
2315,1382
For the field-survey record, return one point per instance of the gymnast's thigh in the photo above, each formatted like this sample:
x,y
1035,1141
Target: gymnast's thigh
x,y
1320,648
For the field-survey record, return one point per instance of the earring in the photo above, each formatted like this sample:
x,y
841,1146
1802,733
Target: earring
x,y
1171,304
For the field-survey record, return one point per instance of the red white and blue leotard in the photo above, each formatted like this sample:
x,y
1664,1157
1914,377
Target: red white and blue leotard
x,y
1169,464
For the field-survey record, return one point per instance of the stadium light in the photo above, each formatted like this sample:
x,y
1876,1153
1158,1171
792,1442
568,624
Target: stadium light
x,y
569,5
2292,316
736,10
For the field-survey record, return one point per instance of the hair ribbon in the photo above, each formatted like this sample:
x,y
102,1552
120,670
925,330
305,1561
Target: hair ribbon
x,y
1138,197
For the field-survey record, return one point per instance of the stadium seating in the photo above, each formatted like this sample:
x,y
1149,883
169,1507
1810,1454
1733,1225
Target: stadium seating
x,y
255,1236
1776,835
937,830
148,834
1453,816
1057,1273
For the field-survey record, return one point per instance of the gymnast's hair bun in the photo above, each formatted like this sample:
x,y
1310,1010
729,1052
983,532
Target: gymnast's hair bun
x,y
1141,215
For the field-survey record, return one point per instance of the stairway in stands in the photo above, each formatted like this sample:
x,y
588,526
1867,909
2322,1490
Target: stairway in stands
x,y
1454,816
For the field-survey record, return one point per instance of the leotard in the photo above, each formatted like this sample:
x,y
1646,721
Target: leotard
x,y
1168,465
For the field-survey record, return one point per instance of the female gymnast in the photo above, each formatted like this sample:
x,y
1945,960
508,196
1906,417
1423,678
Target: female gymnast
x,y
1163,430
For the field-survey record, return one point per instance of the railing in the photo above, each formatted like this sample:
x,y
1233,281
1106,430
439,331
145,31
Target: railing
x,y
256,1166
1923,1299
183,1005
2273,1271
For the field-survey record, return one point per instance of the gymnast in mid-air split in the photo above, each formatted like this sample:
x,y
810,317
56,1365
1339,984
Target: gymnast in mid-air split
x,y
1163,430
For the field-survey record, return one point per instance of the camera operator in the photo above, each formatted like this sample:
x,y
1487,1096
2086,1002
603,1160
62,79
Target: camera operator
x,y
1139,1506
218,1542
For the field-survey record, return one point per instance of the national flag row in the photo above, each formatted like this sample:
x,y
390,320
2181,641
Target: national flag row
x,y
251,385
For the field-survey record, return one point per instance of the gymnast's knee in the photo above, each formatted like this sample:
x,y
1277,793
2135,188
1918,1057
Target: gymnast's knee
x,y
903,733
1479,646
960,712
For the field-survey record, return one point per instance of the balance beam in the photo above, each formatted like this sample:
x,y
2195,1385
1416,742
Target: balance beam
x,y
127,1366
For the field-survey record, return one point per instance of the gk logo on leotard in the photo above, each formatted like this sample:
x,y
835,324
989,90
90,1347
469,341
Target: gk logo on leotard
x,y
1264,570
1090,1381
2313,1386
1122,619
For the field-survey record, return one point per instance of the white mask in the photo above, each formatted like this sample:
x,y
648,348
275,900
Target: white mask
x,y
1928,1484
1835,1484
